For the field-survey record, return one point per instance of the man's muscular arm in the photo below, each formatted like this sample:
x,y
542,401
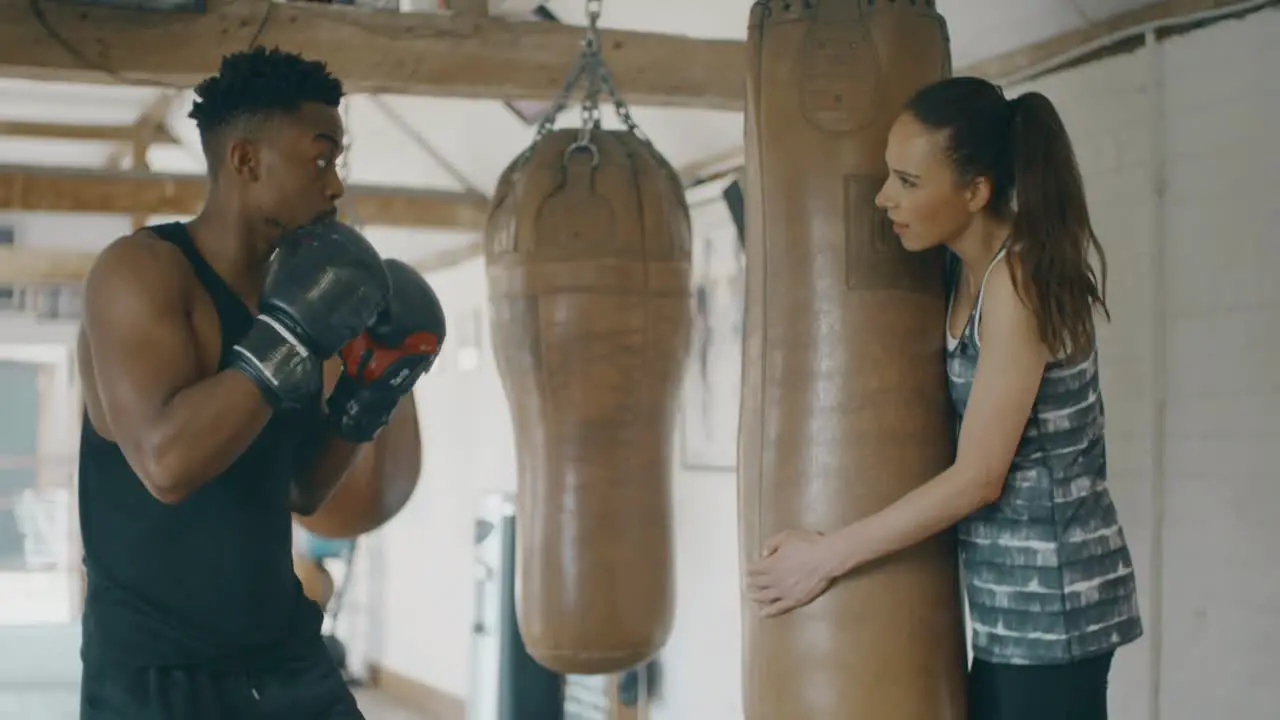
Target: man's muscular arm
x,y
370,398
326,463
325,457
393,458
176,428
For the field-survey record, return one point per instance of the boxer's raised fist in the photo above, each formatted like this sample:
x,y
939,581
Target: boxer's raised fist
x,y
326,284
381,365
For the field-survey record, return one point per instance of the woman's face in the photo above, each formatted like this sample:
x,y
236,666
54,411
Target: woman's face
x,y
925,200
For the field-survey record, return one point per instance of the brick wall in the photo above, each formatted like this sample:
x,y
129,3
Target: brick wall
x,y
1179,166
1108,110
1221,217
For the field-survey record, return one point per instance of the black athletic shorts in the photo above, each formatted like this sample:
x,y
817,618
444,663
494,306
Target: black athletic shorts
x,y
308,690
1072,691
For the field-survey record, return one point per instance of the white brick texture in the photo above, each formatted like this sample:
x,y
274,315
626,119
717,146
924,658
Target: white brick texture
x,y
1216,612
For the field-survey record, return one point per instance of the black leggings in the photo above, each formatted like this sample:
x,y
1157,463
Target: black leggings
x,y
1074,691
312,689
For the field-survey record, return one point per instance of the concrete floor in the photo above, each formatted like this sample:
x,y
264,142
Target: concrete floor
x,y
62,702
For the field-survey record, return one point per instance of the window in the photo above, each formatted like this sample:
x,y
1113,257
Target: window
x,y
43,302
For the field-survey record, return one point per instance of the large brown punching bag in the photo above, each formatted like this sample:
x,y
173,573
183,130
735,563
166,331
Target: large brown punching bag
x,y
589,282
844,405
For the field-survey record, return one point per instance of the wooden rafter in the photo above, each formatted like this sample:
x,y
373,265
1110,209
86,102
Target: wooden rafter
x,y
22,54
1024,63
469,8
28,266
66,131
372,51
147,130
446,259
129,193
33,266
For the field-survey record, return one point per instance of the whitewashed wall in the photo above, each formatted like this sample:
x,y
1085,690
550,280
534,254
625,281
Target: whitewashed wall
x,y
1189,382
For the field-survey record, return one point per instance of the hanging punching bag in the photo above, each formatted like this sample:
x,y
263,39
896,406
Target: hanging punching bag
x,y
844,403
588,255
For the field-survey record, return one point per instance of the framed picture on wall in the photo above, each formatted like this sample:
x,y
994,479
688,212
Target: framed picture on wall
x,y
712,389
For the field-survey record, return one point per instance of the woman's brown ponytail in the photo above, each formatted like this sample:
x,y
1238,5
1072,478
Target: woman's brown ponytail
x,y
1052,233
1022,148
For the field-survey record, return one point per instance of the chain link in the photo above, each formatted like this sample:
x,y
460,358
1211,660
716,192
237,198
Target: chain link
x,y
595,63
591,67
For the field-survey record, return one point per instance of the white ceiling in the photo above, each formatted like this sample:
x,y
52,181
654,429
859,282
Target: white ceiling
x,y
477,138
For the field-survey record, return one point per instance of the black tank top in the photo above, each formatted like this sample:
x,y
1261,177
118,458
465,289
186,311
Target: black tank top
x,y
207,582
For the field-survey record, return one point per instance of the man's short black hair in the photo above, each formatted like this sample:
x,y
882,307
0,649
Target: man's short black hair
x,y
251,86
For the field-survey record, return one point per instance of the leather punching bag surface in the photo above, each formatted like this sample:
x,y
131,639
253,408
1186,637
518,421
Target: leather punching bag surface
x,y
844,405
589,285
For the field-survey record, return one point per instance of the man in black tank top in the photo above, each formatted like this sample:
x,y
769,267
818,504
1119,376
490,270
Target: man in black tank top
x,y
201,359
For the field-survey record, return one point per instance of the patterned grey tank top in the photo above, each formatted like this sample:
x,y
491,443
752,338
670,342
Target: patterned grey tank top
x,y
1048,575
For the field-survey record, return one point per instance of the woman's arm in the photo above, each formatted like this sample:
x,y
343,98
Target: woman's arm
x,y
1010,368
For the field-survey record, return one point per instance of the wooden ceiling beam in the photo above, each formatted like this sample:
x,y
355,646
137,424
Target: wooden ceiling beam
x,y
33,266
446,259
1037,59
371,51
26,265
66,131
149,129
1031,61
469,8
130,193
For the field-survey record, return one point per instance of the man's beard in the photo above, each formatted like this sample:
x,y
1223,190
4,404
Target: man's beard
x,y
284,231
283,228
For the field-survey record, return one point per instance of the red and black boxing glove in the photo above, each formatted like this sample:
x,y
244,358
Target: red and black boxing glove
x,y
382,364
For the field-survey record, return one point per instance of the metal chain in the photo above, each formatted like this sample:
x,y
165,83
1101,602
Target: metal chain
x,y
619,105
594,62
590,66
561,101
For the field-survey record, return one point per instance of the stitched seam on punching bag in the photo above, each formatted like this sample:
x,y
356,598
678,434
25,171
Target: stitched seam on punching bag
x,y
540,375
638,199
754,200
833,73
762,319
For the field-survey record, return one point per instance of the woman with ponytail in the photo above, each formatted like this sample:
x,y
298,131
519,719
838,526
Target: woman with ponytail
x,y
1047,570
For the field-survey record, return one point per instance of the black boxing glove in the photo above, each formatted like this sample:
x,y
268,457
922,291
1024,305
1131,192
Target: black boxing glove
x,y
381,365
325,285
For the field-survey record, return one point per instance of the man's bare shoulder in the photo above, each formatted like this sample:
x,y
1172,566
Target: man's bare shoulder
x,y
138,264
